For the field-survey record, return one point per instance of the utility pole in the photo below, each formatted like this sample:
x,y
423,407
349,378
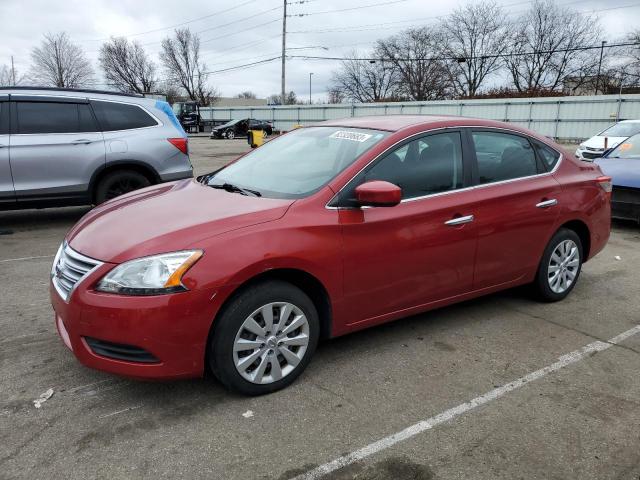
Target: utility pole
x,y
13,73
284,48
310,73
600,65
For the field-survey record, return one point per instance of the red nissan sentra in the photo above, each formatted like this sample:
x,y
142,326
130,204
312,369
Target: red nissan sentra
x,y
324,231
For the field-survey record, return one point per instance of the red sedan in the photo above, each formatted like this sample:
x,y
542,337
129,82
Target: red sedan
x,y
324,231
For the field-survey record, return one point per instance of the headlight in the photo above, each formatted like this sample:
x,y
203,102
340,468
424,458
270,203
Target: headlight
x,y
582,146
153,275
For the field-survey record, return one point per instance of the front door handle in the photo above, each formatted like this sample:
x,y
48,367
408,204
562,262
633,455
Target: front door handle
x,y
459,221
547,203
82,141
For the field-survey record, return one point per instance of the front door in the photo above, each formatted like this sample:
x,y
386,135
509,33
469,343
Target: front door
x,y
421,250
55,149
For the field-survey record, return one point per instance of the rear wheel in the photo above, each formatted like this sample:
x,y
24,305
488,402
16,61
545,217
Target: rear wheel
x,y
560,266
264,338
118,183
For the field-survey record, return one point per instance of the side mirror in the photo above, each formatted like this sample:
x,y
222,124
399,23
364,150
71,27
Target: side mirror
x,y
378,193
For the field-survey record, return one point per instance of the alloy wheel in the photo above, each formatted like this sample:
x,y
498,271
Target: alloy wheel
x,y
271,342
563,267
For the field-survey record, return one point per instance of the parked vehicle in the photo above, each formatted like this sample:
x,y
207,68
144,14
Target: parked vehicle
x,y
77,147
614,135
240,128
188,114
326,230
622,164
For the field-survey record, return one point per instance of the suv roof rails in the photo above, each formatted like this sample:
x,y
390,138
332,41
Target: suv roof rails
x,y
77,90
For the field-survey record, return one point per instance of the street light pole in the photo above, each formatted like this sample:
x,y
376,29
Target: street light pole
x,y
600,65
284,51
310,73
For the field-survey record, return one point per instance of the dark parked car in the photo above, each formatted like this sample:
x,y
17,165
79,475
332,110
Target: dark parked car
x,y
240,128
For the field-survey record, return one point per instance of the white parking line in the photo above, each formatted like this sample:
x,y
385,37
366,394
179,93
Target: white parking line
x,y
413,430
26,258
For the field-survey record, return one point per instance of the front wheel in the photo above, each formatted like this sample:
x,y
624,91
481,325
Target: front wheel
x,y
560,266
230,135
264,338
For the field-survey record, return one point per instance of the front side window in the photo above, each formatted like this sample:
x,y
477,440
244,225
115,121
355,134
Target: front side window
x,y
428,165
51,117
298,163
502,156
120,116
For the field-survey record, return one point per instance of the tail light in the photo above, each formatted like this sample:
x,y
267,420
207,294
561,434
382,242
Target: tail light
x,y
180,143
605,183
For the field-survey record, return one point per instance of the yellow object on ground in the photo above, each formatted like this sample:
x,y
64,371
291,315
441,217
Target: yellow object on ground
x,y
255,138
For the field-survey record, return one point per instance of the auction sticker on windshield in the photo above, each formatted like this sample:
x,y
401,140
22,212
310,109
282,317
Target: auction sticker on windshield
x,y
353,136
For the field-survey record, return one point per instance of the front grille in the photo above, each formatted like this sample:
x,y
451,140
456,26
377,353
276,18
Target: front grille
x,y
591,155
591,149
69,268
118,351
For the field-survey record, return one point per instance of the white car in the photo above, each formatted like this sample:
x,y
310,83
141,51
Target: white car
x,y
594,147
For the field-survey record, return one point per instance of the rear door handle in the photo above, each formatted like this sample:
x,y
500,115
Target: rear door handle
x,y
82,141
547,203
459,221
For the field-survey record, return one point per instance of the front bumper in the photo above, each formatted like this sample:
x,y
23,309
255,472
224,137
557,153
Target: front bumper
x,y
173,329
584,154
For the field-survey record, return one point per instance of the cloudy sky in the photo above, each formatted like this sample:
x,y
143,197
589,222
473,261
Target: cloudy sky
x,y
237,32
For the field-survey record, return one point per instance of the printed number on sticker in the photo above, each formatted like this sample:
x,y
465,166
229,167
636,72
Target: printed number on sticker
x,y
353,136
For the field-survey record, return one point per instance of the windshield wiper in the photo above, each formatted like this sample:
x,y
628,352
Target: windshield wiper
x,y
229,187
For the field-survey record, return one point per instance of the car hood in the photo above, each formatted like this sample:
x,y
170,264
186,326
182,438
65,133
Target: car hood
x,y
624,172
598,142
165,218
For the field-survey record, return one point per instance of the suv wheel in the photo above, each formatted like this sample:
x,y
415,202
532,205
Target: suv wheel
x,y
118,183
264,338
560,266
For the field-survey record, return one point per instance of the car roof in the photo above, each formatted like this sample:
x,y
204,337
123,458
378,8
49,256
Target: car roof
x,y
53,92
394,123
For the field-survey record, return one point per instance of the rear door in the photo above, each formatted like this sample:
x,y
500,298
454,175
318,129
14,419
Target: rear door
x,y
7,194
517,206
55,148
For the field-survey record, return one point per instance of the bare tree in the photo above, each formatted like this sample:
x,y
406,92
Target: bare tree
x,y
58,62
366,81
545,48
335,95
290,99
10,77
181,59
247,95
422,75
126,66
474,35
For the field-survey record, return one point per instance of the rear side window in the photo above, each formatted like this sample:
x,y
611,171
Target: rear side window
x,y
51,117
4,117
502,156
548,155
119,116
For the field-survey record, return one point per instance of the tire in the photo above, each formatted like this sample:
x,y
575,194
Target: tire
x,y
563,255
118,183
230,135
270,370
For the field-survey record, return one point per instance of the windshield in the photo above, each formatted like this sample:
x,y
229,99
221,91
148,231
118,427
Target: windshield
x,y
622,130
232,122
299,163
630,148
177,108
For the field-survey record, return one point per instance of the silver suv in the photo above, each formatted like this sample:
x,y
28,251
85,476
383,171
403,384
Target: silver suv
x,y
78,147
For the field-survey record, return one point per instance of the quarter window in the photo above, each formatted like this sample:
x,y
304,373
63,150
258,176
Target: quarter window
x,y
502,156
120,116
51,117
548,155
431,164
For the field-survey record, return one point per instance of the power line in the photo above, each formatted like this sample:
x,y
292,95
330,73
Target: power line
x,y
220,12
361,7
446,57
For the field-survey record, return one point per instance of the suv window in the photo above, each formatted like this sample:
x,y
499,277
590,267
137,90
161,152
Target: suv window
x,y
52,117
121,116
502,156
4,117
428,165
548,155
